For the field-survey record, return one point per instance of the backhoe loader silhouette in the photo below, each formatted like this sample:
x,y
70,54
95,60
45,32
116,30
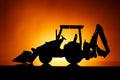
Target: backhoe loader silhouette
x,y
73,51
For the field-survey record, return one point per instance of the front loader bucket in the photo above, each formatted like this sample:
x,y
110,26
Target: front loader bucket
x,y
24,57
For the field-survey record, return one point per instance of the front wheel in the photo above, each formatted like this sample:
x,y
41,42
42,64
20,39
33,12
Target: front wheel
x,y
45,59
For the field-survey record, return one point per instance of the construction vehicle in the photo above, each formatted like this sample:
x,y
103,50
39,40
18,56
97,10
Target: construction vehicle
x,y
72,51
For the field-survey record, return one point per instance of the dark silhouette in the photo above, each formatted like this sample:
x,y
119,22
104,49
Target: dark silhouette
x,y
72,51
75,38
70,72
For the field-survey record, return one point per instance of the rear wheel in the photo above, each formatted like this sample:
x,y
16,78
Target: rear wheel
x,y
45,59
72,52
73,59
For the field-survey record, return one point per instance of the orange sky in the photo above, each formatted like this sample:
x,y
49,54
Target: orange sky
x,y
30,23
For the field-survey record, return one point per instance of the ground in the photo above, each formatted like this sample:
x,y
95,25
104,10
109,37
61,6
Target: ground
x,y
47,72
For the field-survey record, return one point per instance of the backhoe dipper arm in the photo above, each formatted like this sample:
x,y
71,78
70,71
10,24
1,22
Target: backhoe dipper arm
x,y
103,38
93,43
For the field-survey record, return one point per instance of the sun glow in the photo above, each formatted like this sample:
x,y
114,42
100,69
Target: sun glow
x,y
59,62
31,24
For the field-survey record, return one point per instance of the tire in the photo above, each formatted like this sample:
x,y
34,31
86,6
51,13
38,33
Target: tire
x,y
72,52
45,59
73,59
